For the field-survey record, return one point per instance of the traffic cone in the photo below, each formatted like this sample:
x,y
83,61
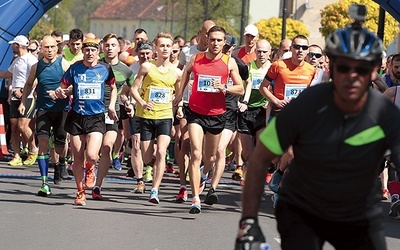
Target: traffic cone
x,y
3,141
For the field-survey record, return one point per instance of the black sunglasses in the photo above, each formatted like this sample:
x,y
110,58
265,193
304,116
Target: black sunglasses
x,y
344,69
317,55
31,50
175,51
298,46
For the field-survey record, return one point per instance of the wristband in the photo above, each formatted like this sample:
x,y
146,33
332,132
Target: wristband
x,y
245,102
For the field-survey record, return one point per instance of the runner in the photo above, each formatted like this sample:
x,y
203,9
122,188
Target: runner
x,y
205,114
51,113
330,192
73,52
86,121
156,82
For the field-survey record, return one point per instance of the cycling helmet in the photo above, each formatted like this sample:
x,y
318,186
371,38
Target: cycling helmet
x,y
354,42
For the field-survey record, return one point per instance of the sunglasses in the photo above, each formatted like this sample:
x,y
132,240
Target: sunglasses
x,y
344,69
298,46
312,54
175,51
31,50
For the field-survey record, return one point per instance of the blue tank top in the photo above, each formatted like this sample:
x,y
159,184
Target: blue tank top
x,y
49,76
389,81
88,86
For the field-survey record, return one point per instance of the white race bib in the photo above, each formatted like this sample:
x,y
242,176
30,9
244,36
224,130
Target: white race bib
x,y
108,119
160,95
256,80
89,91
293,90
206,83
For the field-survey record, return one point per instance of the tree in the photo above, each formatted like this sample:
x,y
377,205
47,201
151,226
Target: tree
x,y
335,16
271,29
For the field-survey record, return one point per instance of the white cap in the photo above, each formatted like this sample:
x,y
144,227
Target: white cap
x,y
287,55
251,29
21,40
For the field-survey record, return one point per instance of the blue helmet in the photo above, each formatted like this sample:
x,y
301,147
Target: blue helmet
x,y
354,43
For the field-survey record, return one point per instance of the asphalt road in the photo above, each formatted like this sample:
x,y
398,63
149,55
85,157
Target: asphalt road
x,y
125,220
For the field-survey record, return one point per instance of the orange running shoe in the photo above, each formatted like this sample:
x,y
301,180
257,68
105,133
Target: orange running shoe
x,y
90,177
80,199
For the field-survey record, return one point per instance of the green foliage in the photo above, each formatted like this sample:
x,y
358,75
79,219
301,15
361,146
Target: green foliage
x,y
271,29
335,16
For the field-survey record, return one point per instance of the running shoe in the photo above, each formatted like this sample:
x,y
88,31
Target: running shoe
x,y
182,195
96,195
268,178
231,166
16,161
116,163
170,167
203,179
130,173
45,190
80,199
195,208
24,152
31,159
385,194
63,171
140,188
69,169
211,197
177,173
154,196
57,175
238,174
90,177
148,176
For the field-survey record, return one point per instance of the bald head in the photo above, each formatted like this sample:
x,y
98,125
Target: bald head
x,y
284,46
263,50
202,35
49,48
207,25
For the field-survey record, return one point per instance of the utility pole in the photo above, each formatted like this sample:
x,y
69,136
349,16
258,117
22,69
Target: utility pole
x,y
284,14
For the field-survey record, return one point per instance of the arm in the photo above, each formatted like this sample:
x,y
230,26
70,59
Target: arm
x,y
237,88
183,83
244,105
143,70
390,93
113,98
5,74
380,84
29,85
268,94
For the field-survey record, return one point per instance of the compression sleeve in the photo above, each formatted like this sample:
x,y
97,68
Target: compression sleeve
x,y
269,138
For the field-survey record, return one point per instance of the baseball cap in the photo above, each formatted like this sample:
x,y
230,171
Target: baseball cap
x,y
230,40
251,30
21,40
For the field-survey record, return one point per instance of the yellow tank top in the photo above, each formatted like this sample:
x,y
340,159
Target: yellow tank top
x,y
71,58
158,87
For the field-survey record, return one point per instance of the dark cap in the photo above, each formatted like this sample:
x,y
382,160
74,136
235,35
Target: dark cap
x,y
230,40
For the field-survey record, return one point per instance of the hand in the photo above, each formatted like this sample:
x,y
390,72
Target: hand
x,y
112,114
148,105
129,109
242,107
61,93
179,113
177,100
281,103
52,94
17,93
21,109
249,235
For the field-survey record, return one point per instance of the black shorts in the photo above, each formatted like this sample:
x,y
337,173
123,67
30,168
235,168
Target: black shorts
x,y
150,129
30,105
231,119
115,125
299,228
214,124
77,124
176,121
134,123
46,120
252,120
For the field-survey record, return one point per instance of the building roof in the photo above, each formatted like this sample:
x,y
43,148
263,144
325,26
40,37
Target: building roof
x,y
133,10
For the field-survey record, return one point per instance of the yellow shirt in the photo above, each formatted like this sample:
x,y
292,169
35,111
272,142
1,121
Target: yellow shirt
x,y
158,87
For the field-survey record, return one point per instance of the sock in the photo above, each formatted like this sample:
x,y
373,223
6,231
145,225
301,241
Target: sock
x,y
43,162
139,180
34,150
114,155
196,199
17,156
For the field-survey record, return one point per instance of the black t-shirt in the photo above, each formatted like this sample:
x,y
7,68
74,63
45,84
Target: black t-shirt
x,y
334,174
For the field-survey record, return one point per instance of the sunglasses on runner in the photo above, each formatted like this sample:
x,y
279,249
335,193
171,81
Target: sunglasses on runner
x,y
344,69
312,54
298,46
175,51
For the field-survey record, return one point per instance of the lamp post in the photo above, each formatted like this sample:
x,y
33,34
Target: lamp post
x,y
55,15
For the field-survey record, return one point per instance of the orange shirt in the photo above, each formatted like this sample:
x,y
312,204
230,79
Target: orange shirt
x,y
246,57
289,79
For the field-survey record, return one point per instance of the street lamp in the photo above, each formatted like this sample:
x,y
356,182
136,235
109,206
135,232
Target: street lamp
x,y
55,15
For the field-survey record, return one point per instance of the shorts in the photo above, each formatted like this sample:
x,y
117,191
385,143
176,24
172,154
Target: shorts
x,y
46,120
176,121
30,104
299,228
231,119
134,123
115,125
252,120
150,129
77,124
214,124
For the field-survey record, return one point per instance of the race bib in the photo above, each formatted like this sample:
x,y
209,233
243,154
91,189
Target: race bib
x,y
256,80
89,91
108,119
206,83
160,95
293,90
